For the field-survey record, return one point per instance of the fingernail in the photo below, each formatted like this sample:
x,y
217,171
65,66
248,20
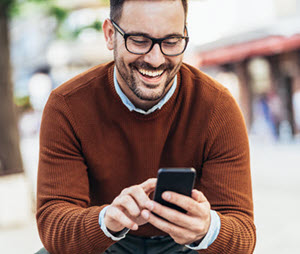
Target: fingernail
x,y
149,205
166,196
135,227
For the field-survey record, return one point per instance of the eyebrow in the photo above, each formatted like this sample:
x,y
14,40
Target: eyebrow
x,y
148,35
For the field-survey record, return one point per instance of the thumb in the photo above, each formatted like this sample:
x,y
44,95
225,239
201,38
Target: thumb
x,y
198,196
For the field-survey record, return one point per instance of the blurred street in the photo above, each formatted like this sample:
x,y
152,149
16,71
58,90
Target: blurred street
x,y
276,189
275,174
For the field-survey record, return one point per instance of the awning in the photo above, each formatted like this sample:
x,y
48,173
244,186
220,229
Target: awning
x,y
262,47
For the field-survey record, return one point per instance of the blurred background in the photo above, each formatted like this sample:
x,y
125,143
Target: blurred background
x,y
251,47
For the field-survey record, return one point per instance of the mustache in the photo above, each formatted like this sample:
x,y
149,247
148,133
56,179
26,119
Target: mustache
x,y
149,67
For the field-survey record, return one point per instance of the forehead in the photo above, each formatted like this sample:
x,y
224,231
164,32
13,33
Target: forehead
x,y
157,18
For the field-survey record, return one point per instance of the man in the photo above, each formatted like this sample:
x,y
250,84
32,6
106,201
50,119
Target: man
x,y
106,132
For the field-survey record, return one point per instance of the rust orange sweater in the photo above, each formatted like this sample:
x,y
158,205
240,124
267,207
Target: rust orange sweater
x,y
92,147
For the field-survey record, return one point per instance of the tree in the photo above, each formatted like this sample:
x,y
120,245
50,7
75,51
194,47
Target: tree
x,y
10,156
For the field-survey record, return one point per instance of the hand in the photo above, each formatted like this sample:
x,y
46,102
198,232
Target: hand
x,y
125,210
183,228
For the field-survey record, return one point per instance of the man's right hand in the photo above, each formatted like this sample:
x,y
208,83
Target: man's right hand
x,y
125,210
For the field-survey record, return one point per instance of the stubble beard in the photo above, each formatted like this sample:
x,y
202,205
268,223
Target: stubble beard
x,y
136,85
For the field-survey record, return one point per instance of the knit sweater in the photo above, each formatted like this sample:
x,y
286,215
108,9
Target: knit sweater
x,y
92,147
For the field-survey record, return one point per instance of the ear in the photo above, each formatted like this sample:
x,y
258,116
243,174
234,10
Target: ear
x,y
109,33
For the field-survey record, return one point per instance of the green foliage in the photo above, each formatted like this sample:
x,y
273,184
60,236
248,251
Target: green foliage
x,y
5,6
6,3
105,2
59,13
50,8
97,25
40,1
23,102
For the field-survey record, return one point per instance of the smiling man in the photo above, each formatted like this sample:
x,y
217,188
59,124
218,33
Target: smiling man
x,y
106,132
146,70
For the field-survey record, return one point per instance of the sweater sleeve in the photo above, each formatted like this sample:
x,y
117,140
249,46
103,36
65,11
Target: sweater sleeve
x,y
226,179
66,222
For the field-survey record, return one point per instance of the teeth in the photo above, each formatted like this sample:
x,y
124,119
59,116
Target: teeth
x,y
150,73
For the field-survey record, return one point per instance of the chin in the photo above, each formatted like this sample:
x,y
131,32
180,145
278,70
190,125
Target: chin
x,y
149,95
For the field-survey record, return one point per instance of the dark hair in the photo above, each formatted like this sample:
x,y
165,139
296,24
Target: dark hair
x,y
116,7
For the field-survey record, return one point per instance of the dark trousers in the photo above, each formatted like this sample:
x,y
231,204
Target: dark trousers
x,y
139,245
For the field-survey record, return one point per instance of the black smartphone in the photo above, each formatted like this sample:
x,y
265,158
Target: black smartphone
x,y
180,180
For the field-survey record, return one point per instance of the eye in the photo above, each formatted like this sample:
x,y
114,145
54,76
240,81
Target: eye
x,y
138,40
173,41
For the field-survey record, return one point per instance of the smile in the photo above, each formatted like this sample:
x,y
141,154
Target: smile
x,y
152,74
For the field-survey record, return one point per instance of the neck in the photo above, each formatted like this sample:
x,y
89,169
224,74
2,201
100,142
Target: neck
x,y
135,100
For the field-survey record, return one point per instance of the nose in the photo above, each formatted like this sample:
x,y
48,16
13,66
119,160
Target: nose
x,y
155,57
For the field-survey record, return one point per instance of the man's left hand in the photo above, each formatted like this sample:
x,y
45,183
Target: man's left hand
x,y
183,228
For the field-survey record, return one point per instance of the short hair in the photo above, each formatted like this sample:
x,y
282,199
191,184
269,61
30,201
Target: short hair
x,y
116,8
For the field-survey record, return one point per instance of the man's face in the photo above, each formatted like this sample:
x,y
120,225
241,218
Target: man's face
x,y
146,78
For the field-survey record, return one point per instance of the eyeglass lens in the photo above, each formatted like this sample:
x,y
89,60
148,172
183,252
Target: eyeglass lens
x,y
169,46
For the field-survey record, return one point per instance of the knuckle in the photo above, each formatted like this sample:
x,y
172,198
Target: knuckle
x,y
125,191
191,238
114,214
118,201
151,181
201,228
182,241
115,201
126,199
136,188
170,230
135,213
189,206
196,228
178,240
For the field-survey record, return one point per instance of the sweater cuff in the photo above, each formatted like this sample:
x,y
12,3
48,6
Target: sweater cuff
x,y
116,237
94,233
224,236
212,233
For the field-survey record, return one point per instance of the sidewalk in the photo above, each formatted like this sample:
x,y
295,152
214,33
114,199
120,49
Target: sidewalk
x,y
276,189
23,239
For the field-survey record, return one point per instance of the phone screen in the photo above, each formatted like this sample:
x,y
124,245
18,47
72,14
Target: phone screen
x,y
180,180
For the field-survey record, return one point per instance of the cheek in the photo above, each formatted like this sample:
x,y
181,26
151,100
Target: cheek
x,y
177,60
174,63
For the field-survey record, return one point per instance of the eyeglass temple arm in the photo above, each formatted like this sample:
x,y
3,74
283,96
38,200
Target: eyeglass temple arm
x,y
186,31
117,27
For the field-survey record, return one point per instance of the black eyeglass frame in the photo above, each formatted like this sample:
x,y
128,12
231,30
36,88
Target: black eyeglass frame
x,y
154,40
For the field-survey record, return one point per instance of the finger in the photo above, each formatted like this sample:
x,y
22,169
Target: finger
x,y
172,215
198,196
138,194
149,185
113,214
187,203
171,229
129,204
180,235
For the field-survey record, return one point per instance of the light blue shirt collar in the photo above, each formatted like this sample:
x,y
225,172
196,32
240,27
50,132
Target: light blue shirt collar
x,y
130,105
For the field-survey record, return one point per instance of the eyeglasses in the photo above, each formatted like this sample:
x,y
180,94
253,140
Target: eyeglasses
x,y
142,44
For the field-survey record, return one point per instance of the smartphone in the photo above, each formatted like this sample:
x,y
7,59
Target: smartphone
x,y
180,180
